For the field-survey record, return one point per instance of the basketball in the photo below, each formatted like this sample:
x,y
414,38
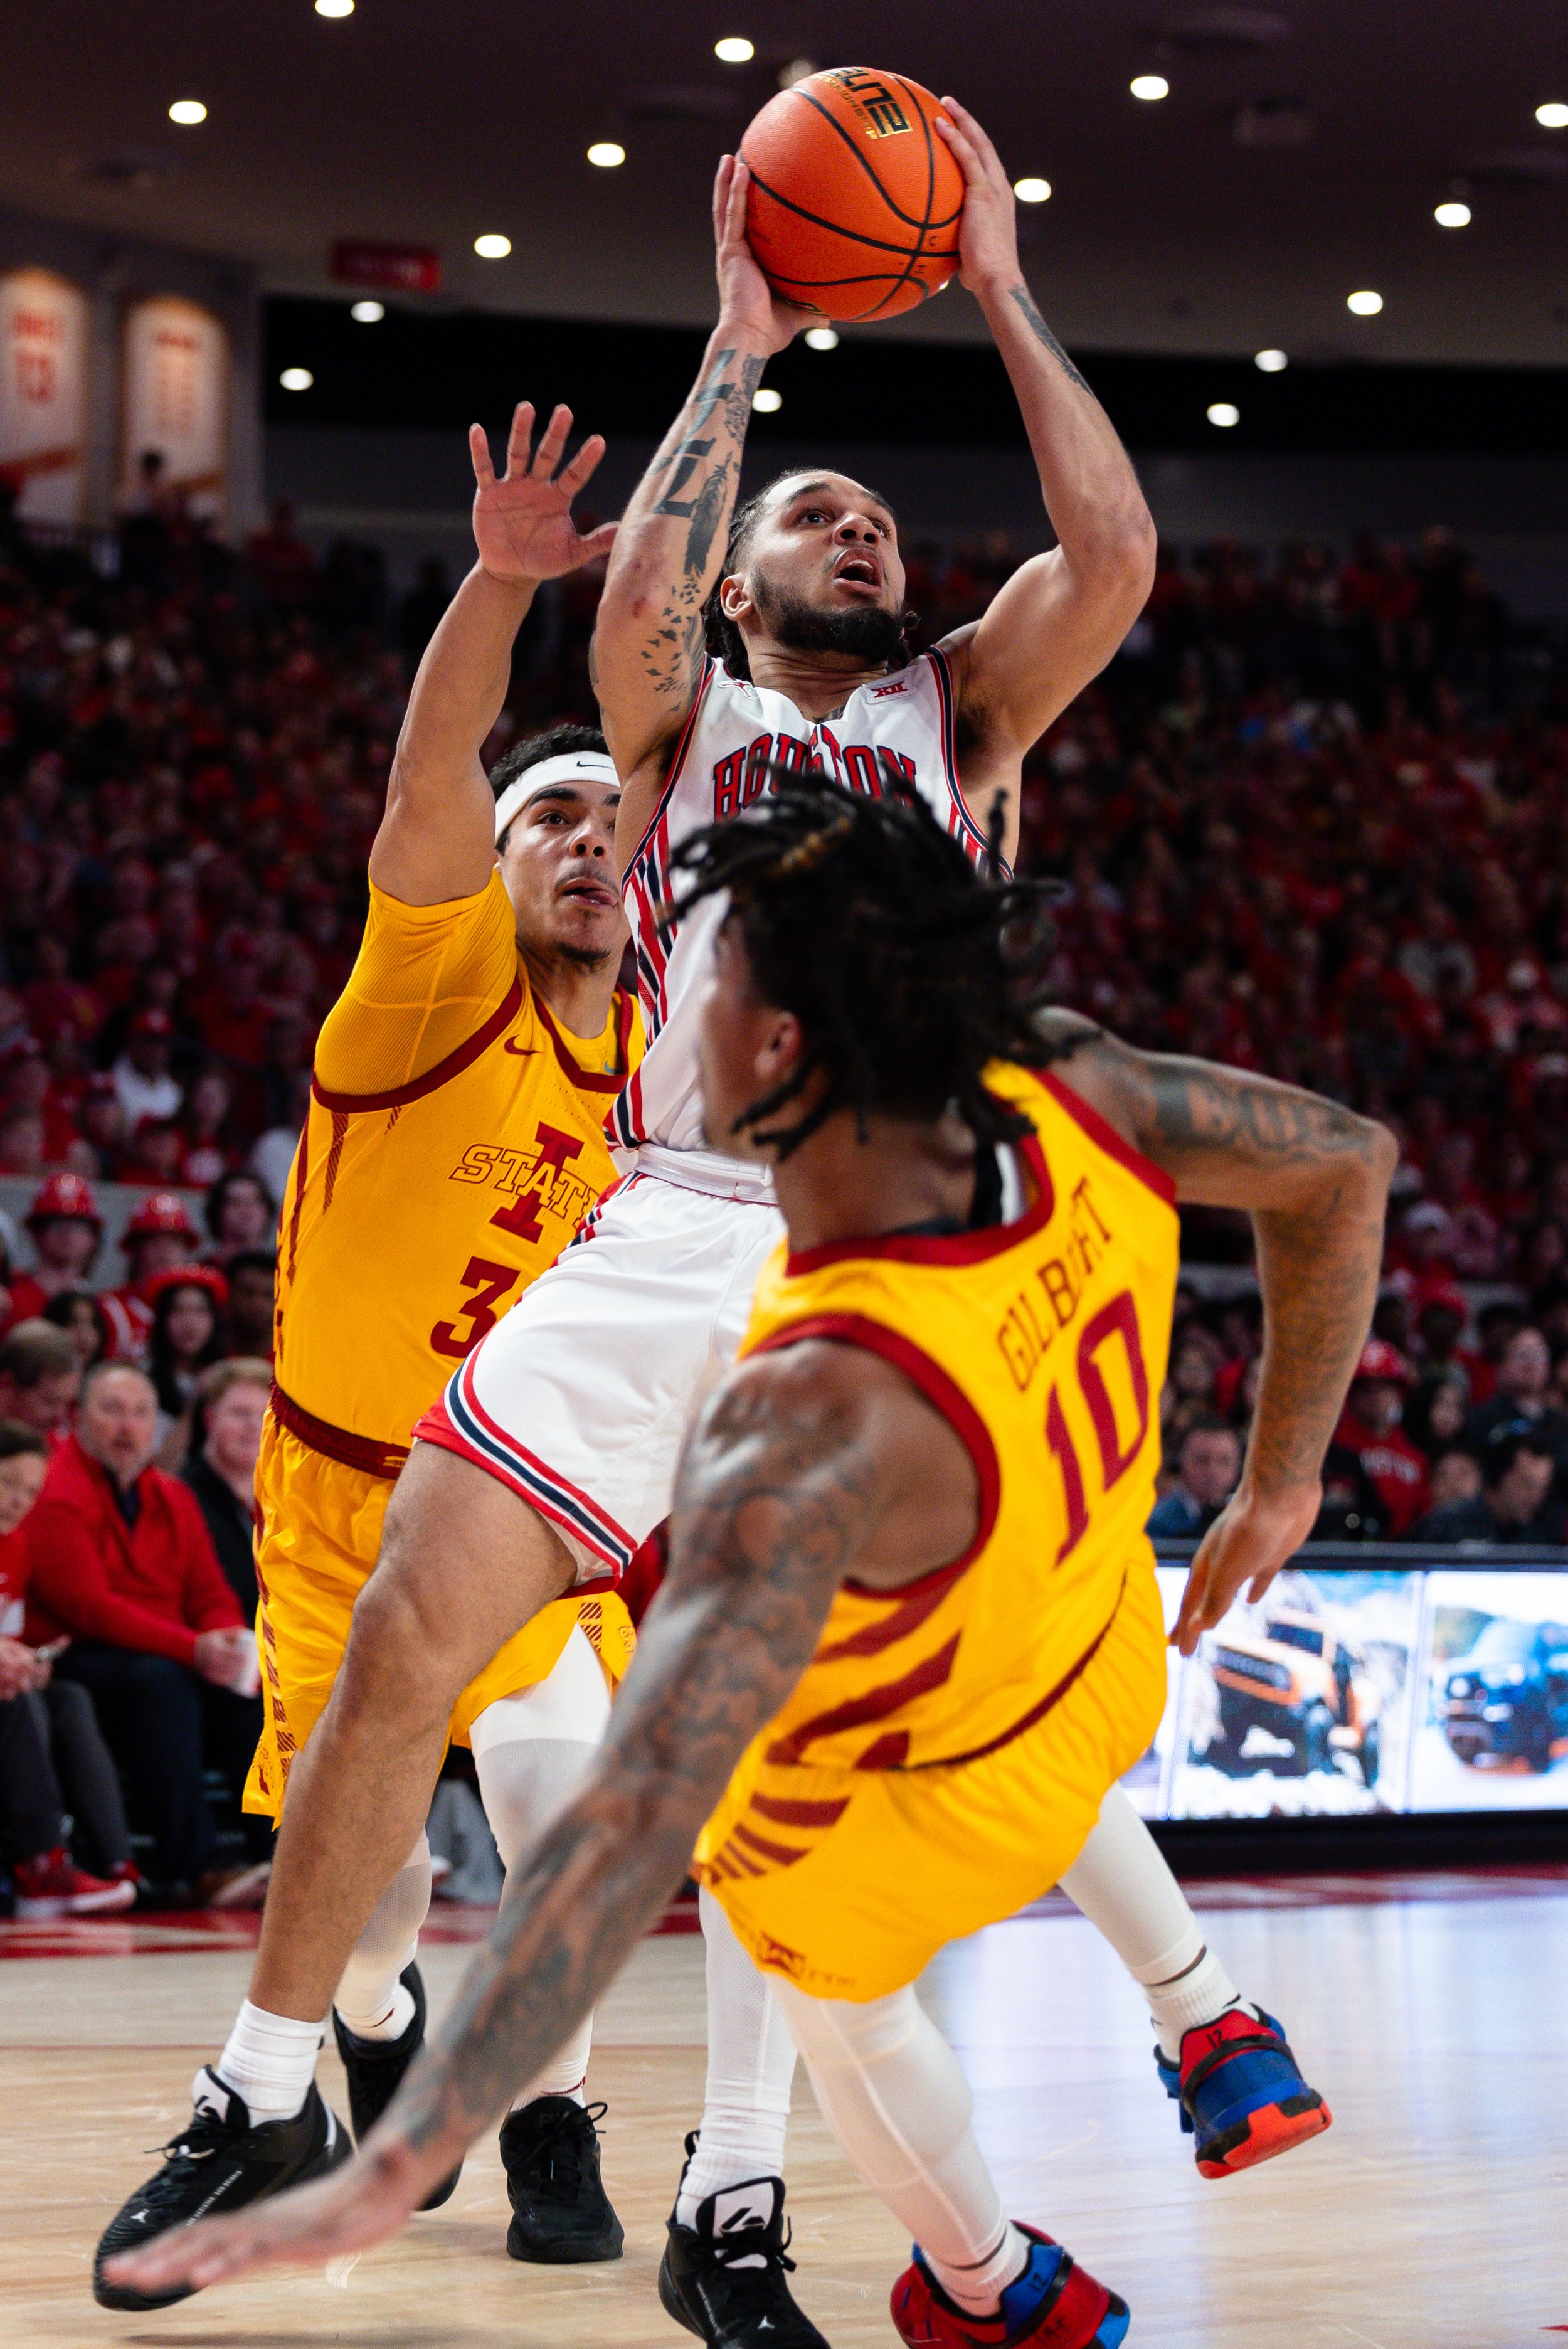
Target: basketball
x,y
854,201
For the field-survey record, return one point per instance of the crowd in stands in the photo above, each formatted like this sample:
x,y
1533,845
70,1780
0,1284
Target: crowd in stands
x,y
1313,819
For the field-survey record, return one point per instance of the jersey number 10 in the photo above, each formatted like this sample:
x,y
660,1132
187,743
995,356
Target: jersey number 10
x,y
1118,1320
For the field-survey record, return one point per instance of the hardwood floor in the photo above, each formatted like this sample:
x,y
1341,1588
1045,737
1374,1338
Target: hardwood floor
x,y
1430,2216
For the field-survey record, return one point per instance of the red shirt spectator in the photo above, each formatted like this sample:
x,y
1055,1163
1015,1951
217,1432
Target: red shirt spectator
x,y
1370,1428
152,1584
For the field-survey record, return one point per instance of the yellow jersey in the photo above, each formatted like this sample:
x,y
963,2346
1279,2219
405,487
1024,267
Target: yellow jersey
x,y
454,1142
1042,1343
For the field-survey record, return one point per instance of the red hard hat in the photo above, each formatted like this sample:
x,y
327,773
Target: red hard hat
x,y
188,1276
64,1195
163,1211
1381,1361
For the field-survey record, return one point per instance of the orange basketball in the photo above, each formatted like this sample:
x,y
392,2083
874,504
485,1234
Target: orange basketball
x,y
854,200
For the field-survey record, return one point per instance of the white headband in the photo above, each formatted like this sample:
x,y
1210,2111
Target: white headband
x,y
568,768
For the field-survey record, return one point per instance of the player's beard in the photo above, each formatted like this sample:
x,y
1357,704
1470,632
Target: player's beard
x,y
865,631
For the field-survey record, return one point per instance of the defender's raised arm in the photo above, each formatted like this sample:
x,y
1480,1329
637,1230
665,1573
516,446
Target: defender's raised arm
x,y
648,643
437,839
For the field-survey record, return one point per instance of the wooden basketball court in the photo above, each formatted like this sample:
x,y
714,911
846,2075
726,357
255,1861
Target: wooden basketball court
x,y
1431,2011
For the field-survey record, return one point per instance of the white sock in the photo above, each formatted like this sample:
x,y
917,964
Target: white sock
x,y
1122,1885
532,1753
269,2060
894,2096
750,2064
371,2001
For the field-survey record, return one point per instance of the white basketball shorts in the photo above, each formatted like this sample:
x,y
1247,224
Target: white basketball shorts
x,y
580,1397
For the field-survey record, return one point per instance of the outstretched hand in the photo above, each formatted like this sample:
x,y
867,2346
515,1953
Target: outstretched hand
x,y
523,523
1245,1546
988,230
745,297
334,2217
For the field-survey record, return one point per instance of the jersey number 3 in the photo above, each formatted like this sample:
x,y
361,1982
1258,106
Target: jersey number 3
x,y
491,1282
1119,1319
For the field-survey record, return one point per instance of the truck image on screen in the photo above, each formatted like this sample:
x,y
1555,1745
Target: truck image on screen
x,y
1508,1698
1302,1684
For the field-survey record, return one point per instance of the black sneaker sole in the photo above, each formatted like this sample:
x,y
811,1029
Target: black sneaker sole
x,y
119,2296
567,2250
671,2302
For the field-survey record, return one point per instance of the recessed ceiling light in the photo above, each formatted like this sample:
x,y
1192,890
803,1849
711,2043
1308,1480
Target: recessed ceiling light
x,y
1552,116
335,7
822,338
368,313
1365,303
296,378
798,69
606,154
737,50
493,248
1455,215
1032,192
1271,362
1224,414
1149,87
767,402
187,109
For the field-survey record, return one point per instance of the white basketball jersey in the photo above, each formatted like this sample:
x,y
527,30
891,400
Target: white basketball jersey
x,y
899,727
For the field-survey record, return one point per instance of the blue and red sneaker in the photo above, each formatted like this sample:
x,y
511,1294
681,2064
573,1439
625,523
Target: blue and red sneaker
x,y
1240,2093
1054,2305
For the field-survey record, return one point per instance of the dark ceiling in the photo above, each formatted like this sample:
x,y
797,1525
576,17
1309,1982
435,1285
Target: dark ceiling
x,y
1298,157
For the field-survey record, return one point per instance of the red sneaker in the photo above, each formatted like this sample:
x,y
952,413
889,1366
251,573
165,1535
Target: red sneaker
x,y
52,1885
1054,2305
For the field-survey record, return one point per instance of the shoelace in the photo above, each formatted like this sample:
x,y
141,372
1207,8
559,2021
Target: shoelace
x,y
197,2141
559,2158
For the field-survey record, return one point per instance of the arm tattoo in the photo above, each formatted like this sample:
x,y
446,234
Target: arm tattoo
x,y
701,459
775,1496
1042,334
1195,1105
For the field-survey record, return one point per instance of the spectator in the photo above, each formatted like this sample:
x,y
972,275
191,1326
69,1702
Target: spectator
x,y
101,1123
49,1882
239,1216
222,1469
1496,1323
185,1339
1516,1502
1523,1392
1435,1415
274,1154
65,1228
1371,1429
1456,1477
205,1154
142,1083
1350,1510
1439,1328
253,1280
77,1312
40,1378
159,1237
1208,1466
122,1563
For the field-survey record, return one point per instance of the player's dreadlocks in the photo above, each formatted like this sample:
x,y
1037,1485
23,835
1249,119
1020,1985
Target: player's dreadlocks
x,y
908,970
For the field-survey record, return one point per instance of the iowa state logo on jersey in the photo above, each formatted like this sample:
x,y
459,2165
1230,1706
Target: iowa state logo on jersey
x,y
741,776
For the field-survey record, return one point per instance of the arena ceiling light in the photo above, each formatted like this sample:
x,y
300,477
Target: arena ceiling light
x,y
1149,87
368,313
1552,116
606,154
822,338
1452,215
493,248
1365,303
1223,413
735,49
187,110
1271,362
335,7
1032,192
767,401
296,378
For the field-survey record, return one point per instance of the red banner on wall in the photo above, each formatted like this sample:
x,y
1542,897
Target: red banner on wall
x,y
391,268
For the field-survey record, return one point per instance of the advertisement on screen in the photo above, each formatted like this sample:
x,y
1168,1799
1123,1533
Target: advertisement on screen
x,y
1492,1732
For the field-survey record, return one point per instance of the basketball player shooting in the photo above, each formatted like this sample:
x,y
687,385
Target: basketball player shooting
x,y
911,1635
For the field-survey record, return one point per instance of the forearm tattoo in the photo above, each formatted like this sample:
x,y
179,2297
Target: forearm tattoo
x,y
1042,334
771,1508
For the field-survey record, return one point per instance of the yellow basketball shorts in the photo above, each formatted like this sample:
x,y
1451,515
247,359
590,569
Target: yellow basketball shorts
x,y
848,1881
319,1537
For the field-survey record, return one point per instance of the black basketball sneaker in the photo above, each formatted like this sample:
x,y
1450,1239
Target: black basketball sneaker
x,y
560,2213
217,2163
376,2069
724,2278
